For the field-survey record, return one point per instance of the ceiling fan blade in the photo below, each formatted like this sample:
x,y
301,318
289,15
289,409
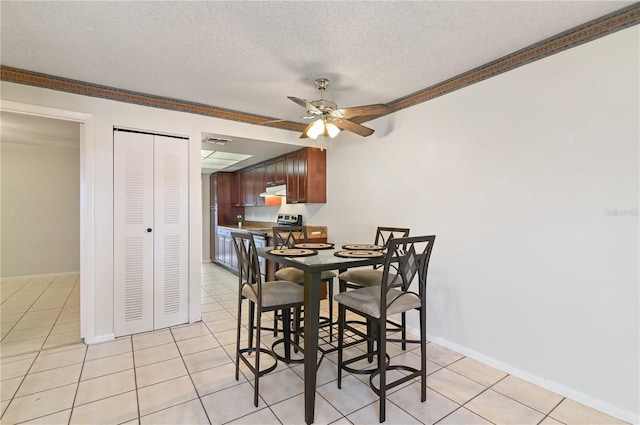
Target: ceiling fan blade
x,y
359,111
352,127
305,104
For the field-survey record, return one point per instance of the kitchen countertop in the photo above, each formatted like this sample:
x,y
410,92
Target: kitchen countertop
x,y
267,229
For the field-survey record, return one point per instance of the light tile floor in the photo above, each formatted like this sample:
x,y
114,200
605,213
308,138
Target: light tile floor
x,y
185,375
39,313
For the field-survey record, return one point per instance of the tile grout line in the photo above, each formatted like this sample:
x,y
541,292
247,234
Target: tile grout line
x,y
75,396
548,415
59,314
195,388
135,377
28,309
44,390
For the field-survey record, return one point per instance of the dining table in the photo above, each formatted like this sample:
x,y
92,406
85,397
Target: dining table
x,y
313,264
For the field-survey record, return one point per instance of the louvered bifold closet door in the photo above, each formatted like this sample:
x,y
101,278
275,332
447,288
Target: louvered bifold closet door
x,y
133,242
171,218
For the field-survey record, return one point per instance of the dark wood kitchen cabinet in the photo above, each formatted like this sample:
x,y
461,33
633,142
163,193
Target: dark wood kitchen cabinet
x,y
223,211
237,188
259,183
306,176
303,171
280,171
275,173
248,177
270,173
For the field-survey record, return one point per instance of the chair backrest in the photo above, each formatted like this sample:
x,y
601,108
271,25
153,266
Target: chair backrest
x,y
406,258
385,234
248,264
288,236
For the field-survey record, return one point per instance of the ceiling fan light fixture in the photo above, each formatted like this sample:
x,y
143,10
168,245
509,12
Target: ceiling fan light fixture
x,y
316,129
331,129
331,120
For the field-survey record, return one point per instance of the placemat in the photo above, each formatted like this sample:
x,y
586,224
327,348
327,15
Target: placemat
x,y
315,245
293,252
359,254
363,246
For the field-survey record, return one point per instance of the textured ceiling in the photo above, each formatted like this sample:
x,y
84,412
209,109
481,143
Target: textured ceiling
x,y
248,56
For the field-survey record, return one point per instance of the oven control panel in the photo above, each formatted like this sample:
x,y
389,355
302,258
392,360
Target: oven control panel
x,y
290,219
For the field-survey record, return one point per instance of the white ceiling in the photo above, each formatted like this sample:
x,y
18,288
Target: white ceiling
x,y
248,56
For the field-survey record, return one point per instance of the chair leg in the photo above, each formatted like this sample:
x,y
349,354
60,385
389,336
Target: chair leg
x,y
251,328
256,390
370,338
382,367
330,293
423,354
286,331
238,336
297,314
275,323
403,331
342,316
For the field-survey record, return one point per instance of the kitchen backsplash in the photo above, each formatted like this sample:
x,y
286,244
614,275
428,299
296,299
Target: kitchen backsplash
x,y
270,214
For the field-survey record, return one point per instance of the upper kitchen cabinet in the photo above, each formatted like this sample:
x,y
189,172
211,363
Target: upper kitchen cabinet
x,y
281,172
249,179
275,172
237,189
259,183
306,176
303,171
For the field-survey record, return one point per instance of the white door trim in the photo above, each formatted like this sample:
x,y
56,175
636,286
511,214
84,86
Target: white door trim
x,y
87,225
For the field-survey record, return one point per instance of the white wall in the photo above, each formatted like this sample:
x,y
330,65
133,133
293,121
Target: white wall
x,y
40,208
519,177
206,219
107,114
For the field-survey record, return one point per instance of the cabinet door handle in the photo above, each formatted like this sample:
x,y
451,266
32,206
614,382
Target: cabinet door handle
x,y
149,230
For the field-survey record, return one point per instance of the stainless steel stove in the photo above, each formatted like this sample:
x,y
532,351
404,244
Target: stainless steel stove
x,y
289,220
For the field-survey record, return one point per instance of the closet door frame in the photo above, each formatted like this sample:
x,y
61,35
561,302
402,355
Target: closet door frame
x,y
151,253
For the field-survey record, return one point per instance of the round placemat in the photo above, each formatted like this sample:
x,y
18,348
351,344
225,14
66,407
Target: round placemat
x,y
363,246
315,245
359,254
292,252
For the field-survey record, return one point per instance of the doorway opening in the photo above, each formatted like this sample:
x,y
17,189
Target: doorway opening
x,y
86,201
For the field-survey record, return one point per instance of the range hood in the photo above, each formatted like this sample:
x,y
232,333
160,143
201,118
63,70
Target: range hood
x,y
275,191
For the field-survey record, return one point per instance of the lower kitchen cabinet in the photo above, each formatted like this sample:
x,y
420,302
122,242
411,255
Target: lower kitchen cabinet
x,y
225,251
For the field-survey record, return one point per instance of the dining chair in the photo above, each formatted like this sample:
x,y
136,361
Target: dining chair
x,y
405,258
262,297
288,237
362,277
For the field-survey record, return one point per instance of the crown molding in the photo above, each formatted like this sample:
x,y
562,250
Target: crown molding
x,y
597,28
608,24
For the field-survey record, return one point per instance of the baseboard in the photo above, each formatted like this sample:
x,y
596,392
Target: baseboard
x,y
103,338
570,393
39,276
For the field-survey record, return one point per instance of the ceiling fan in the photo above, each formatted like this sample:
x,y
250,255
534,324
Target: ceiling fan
x,y
331,119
